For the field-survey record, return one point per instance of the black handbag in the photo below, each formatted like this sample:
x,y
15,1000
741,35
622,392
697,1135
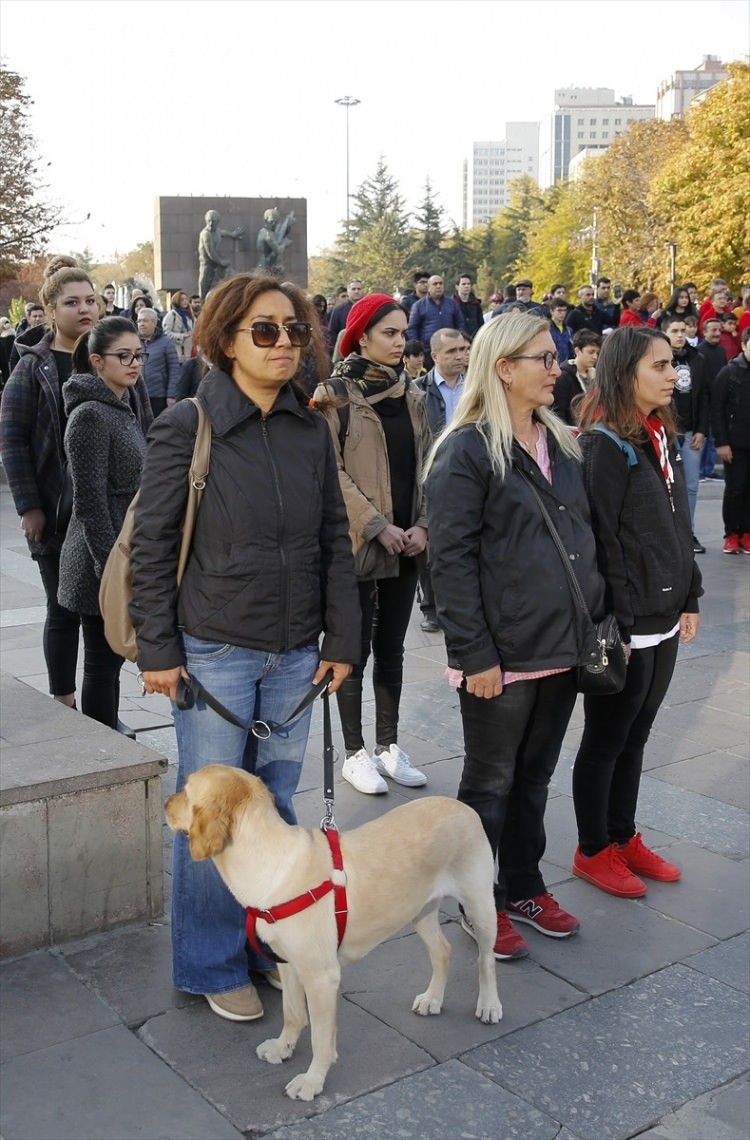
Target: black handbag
x,y
606,672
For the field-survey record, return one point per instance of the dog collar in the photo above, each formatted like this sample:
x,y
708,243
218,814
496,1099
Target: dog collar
x,y
302,902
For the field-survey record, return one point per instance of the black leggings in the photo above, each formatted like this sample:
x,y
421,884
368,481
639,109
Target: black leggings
x,y
607,771
100,692
512,747
61,629
386,608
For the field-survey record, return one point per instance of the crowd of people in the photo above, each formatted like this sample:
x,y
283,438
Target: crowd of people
x,y
364,453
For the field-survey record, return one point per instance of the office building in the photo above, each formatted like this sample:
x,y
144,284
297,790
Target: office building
x,y
674,95
494,167
583,118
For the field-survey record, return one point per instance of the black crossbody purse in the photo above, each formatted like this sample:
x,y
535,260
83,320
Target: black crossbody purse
x,y
605,673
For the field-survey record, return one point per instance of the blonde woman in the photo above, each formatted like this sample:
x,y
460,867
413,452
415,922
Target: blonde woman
x,y
504,601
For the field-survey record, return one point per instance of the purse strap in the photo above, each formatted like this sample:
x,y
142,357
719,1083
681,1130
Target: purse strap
x,y
197,476
575,584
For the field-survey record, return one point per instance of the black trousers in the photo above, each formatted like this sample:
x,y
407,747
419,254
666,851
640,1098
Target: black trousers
x,y
425,593
386,609
100,691
736,503
607,771
512,747
61,630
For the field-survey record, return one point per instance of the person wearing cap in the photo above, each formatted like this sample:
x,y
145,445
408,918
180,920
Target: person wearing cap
x,y
381,436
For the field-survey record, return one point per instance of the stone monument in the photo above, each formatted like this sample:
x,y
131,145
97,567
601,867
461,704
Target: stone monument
x,y
211,265
272,241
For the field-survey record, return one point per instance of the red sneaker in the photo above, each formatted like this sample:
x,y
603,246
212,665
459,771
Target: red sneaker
x,y
608,871
643,861
508,944
745,543
732,544
543,913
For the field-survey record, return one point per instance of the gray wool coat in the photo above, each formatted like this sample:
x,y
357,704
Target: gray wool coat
x,y
105,447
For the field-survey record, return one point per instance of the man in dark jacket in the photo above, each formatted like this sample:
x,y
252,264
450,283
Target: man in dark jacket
x,y
609,309
162,369
442,386
469,304
433,312
730,420
337,322
690,402
715,358
417,292
585,315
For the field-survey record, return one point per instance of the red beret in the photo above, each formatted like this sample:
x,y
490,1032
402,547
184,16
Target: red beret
x,y
360,315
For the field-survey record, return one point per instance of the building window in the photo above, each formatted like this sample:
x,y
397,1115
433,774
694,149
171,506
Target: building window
x,y
592,134
618,122
592,122
605,134
580,134
580,122
605,122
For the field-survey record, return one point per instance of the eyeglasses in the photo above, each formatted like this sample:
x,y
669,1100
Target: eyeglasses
x,y
266,333
547,358
128,358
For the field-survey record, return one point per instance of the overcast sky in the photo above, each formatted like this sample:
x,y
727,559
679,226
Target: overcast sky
x,y
136,98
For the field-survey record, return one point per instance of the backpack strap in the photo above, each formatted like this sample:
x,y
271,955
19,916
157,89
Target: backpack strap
x,y
625,447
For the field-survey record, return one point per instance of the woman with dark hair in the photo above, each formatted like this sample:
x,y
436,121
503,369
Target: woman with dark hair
x,y
641,520
105,446
32,423
513,629
141,302
270,570
178,325
679,304
381,436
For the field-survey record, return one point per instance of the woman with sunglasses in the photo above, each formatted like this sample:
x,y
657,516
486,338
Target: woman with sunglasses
x,y
270,571
105,446
512,626
381,451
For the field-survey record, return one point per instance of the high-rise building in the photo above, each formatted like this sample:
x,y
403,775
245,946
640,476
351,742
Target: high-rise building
x,y
584,117
495,165
674,95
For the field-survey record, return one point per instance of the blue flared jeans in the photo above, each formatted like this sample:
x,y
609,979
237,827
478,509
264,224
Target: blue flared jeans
x,y
209,951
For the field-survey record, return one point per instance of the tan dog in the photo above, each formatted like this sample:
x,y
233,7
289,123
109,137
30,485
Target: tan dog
x,y
438,847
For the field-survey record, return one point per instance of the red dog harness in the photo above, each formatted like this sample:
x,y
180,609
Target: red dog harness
x,y
302,902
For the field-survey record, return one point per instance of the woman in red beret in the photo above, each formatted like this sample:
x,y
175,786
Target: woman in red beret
x,y
381,436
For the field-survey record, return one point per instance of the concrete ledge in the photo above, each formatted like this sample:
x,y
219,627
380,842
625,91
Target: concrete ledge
x,y
80,824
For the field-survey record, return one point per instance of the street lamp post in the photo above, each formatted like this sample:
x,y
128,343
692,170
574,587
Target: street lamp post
x,y
347,101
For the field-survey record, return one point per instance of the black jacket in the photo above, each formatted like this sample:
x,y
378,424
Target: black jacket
x,y
715,358
592,319
473,314
690,398
271,565
644,547
503,595
730,404
434,404
567,388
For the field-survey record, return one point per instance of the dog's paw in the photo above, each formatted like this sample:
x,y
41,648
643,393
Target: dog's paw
x,y
424,1005
303,1087
275,1050
491,1013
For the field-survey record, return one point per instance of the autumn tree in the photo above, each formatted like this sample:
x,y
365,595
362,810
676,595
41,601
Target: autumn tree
x,y
702,192
25,218
558,245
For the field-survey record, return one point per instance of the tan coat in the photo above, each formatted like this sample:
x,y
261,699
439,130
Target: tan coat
x,y
365,476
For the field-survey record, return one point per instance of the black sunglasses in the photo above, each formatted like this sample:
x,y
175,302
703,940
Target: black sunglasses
x,y
266,333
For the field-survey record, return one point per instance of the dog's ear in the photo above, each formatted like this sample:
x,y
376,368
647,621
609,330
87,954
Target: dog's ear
x,y
210,830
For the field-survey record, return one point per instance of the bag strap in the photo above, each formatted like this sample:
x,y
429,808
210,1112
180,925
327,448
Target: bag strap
x,y
575,584
344,411
625,447
197,476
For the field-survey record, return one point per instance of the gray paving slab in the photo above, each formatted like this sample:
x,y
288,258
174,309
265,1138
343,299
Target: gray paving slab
x,y
130,970
218,1059
721,1114
695,818
712,895
617,1064
386,983
447,1102
619,940
728,962
719,775
43,1003
103,1086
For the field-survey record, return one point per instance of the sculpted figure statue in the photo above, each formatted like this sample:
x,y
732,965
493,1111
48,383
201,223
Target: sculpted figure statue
x,y
272,240
212,267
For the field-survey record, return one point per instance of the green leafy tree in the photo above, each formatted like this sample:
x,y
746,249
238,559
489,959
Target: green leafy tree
x,y
376,243
428,233
26,219
702,192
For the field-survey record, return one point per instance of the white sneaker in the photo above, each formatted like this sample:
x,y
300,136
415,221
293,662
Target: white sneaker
x,y
396,764
360,771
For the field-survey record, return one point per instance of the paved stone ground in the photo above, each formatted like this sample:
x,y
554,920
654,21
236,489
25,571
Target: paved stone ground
x,y
636,1026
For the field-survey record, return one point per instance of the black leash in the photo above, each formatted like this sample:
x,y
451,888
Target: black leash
x,y
190,689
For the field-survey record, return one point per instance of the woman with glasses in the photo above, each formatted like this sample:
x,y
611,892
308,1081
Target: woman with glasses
x,y
641,519
270,571
105,445
380,430
512,627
